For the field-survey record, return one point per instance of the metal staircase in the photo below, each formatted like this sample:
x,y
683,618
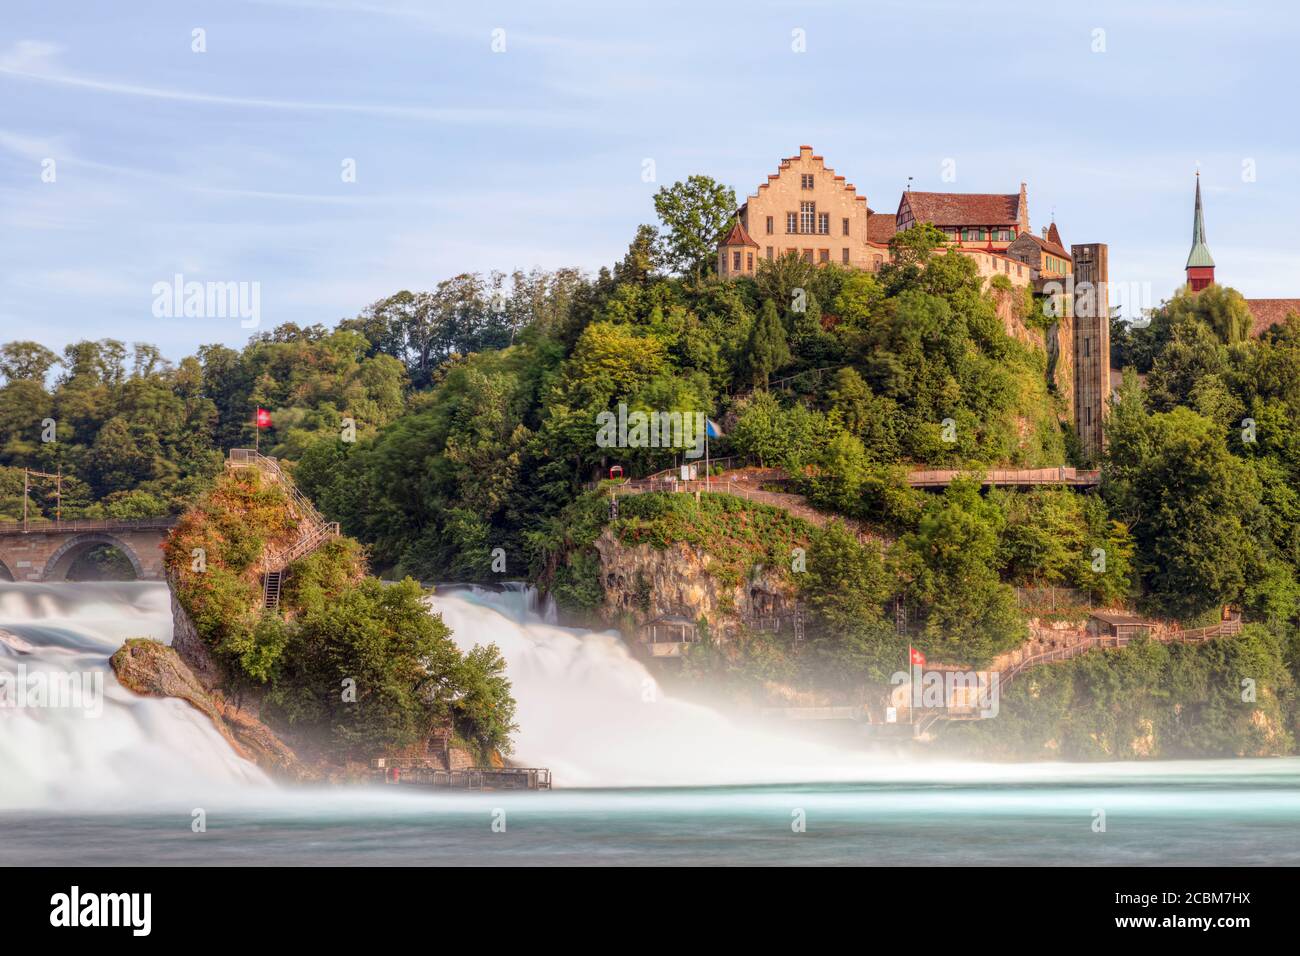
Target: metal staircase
x,y
271,581
313,529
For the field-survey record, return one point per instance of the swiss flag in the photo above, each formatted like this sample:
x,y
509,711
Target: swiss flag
x,y
263,418
916,657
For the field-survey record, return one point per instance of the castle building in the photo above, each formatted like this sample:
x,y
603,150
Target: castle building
x,y
1265,313
989,221
807,209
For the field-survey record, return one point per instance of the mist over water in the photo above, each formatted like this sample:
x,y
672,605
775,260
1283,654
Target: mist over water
x,y
596,717
644,778
128,751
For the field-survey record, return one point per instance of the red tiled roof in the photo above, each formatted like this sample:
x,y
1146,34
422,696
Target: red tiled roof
x,y
1267,312
739,237
880,227
1054,235
965,209
1055,248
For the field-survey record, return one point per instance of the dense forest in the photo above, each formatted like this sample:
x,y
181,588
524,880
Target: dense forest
x,y
439,426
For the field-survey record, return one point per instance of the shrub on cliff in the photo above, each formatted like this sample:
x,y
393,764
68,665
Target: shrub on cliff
x,y
346,662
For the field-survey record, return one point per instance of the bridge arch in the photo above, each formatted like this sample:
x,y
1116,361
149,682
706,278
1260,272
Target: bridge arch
x,y
6,574
66,555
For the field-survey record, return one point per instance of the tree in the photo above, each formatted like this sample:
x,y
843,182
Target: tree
x,y
767,350
846,587
1192,506
695,213
25,361
953,562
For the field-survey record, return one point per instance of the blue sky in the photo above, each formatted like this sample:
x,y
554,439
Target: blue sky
x,y
226,165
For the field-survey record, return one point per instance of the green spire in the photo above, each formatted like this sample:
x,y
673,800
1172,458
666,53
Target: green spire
x,y
1200,254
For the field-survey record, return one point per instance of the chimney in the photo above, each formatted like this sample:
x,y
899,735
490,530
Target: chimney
x,y
1022,209
1044,232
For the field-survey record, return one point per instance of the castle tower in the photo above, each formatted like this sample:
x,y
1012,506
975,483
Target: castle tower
x,y
1200,264
736,253
1091,344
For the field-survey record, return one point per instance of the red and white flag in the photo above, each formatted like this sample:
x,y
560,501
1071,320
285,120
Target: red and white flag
x,y
263,418
915,656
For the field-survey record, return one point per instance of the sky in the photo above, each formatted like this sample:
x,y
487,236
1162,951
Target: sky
x,y
496,135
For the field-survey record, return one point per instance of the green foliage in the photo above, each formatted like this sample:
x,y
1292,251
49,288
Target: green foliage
x,y
347,663
767,351
1148,700
738,534
952,563
695,214
845,589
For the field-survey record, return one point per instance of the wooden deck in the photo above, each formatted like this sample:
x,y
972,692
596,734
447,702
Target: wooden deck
x,y
1010,477
396,771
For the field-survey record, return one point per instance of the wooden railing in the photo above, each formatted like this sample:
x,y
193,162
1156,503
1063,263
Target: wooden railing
x,y
1009,477
1197,635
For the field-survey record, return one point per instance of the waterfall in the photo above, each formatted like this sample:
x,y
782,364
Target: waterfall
x,y
107,748
595,716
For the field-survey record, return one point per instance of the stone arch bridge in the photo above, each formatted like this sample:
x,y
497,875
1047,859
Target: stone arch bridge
x,y
46,550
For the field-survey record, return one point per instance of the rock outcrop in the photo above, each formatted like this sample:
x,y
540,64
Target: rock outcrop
x,y
152,669
643,583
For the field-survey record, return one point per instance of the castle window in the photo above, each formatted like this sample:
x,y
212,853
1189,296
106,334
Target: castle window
x,y
806,180
749,261
807,217
808,256
823,224
792,222
824,256
769,252
844,227
1004,235
844,255
1087,347
735,262
769,225
877,262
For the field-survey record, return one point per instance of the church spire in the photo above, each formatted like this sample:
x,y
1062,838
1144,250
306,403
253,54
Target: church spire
x,y
1200,264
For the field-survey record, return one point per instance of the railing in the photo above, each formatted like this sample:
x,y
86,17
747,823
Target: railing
x,y
1198,635
316,529
1007,477
247,458
44,525
413,772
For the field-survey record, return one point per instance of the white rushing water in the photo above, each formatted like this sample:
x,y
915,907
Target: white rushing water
x,y
108,749
587,710
596,717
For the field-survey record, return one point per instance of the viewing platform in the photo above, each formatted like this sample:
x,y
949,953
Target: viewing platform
x,y
413,772
1011,477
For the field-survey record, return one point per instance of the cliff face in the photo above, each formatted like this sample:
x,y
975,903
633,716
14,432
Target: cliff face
x,y
152,669
643,583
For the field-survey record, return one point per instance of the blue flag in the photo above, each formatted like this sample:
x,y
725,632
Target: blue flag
x,y
712,429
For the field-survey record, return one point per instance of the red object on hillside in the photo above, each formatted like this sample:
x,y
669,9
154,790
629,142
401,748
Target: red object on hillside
x,y
916,657
263,418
